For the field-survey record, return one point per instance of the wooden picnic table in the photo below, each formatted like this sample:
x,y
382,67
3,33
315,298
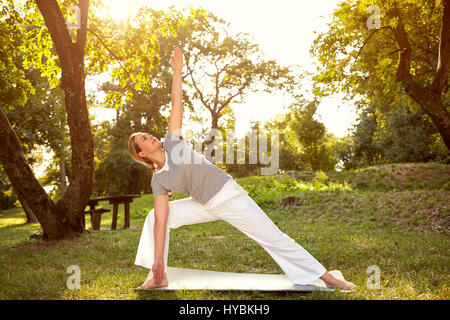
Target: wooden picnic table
x,y
115,201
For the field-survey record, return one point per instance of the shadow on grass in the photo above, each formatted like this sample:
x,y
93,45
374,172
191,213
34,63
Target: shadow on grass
x,y
158,294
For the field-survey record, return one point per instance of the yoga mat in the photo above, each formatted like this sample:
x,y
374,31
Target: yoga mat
x,y
191,279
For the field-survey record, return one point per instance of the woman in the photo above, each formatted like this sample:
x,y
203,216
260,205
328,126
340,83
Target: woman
x,y
214,195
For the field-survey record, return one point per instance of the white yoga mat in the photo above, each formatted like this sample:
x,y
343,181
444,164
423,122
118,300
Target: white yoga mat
x,y
190,279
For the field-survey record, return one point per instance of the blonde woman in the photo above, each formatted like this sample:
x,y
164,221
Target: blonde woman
x,y
214,195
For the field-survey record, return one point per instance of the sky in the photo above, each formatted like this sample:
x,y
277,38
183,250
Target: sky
x,y
284,30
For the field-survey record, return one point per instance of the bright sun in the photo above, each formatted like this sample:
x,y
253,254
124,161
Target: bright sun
x,y
118,10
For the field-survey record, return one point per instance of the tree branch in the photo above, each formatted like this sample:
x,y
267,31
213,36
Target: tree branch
x,y
367,40
58,31
119,60
443,66
216,98
81,34
195,84
401,38
240,91
434,54
414,89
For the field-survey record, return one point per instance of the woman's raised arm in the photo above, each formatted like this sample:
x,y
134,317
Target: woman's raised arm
x,y
176,116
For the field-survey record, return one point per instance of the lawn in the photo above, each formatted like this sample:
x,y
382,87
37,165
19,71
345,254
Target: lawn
x,y
346,220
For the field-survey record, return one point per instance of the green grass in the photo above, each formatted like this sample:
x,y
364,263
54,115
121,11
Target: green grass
x,y
404,232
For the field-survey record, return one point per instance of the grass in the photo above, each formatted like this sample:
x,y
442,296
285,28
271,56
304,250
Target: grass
x,y
404,232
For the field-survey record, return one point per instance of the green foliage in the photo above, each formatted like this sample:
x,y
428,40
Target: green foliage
x,y
30,73
115,171
139,213
7,198
41,121
310,137
322,178
130,51
290,158
304,143
395,135
266,190
362,63
407,137
13,84
356,59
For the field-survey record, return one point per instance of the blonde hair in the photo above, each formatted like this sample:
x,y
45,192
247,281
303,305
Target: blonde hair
x,y
134,150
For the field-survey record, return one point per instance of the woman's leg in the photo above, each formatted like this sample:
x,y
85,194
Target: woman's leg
x,y
181,212
297,263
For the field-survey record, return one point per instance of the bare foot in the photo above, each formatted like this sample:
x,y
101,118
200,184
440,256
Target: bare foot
x,y
345,285
150,283
332,282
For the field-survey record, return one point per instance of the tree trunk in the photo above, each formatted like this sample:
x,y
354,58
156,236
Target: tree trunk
x,y
75,199
437,112
31,218
71,56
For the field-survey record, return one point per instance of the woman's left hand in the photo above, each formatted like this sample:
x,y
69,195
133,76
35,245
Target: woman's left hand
x,y
177,60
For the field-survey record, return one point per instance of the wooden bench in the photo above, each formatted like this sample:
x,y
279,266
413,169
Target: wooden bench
x,y
96,216
126,200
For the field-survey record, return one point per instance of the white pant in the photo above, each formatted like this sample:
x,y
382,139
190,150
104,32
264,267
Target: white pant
x,y
233,205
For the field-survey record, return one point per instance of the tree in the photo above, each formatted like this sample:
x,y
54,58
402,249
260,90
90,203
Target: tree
x,y
359,60
290,149
64,218
343,151
366,151
222,68
310,133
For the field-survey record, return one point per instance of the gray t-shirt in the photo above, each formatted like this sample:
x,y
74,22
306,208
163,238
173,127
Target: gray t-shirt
x,y
186,171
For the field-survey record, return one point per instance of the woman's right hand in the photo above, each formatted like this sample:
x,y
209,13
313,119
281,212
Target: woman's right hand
x,y
177,60
158,271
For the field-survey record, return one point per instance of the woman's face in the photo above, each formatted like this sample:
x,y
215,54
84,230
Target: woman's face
x,y
147,143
